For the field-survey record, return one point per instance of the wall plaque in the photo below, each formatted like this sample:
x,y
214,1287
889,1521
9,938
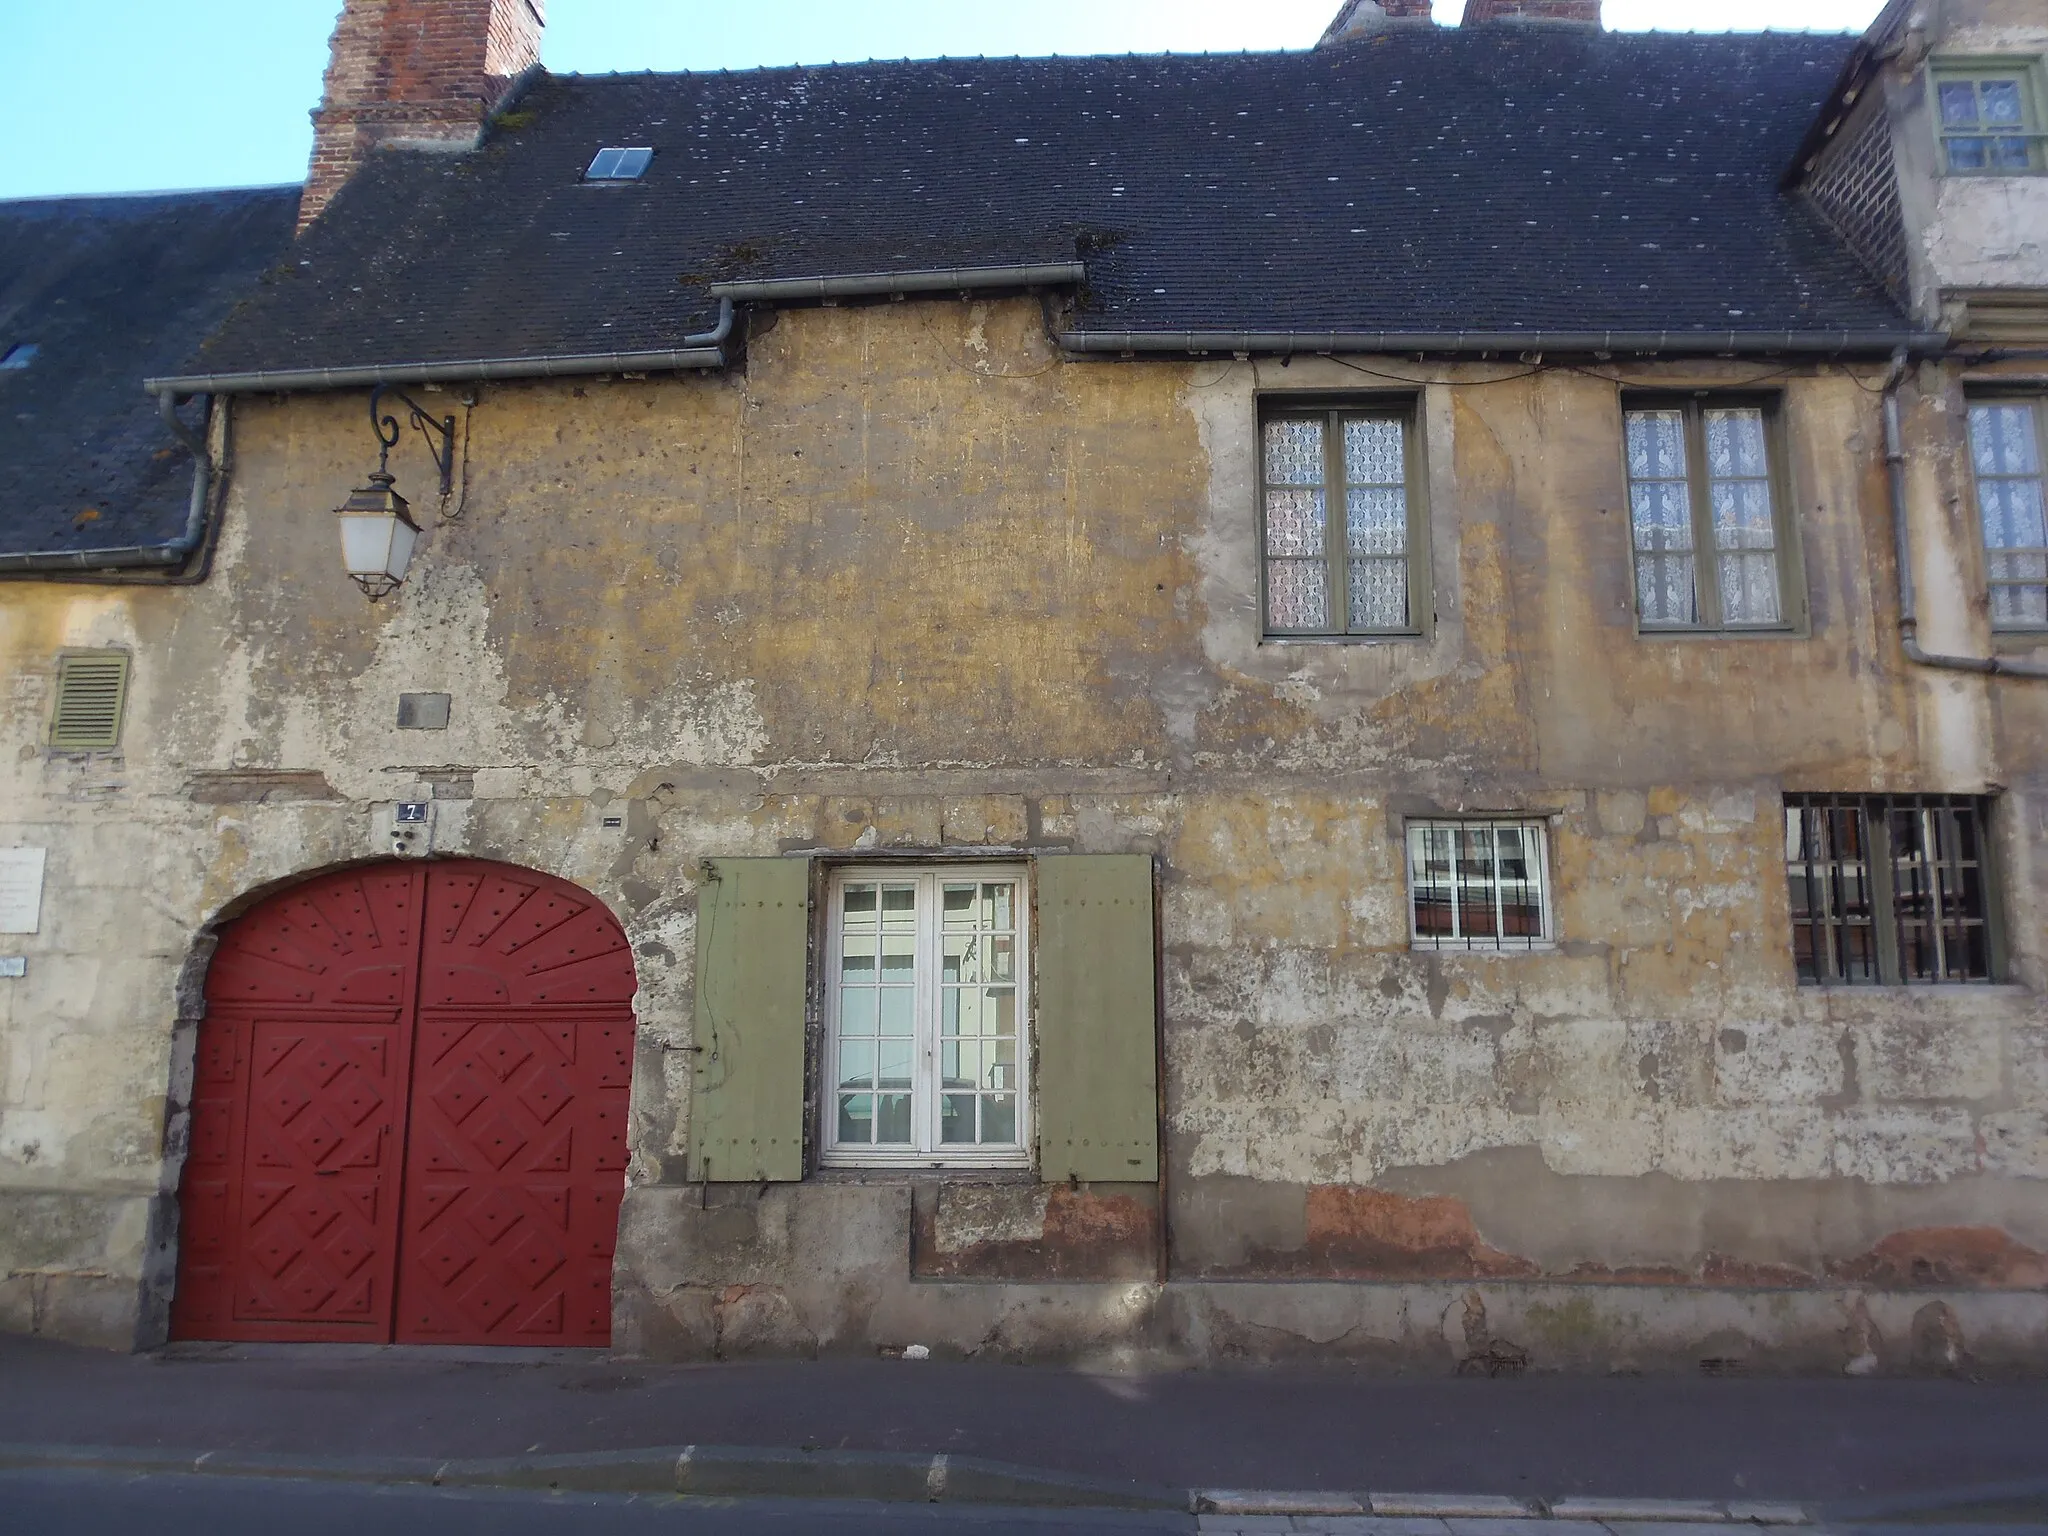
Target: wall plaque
x,y
21,889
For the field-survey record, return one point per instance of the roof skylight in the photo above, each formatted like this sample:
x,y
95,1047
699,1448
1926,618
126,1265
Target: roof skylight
x,y
618,165
20,356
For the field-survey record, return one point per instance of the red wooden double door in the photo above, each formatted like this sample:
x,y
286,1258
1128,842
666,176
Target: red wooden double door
x,y
409,1113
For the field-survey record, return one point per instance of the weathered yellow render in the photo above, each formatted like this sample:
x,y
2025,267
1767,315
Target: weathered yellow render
x,y
909,579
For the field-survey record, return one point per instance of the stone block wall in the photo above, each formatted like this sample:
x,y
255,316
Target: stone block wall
x,y
907,581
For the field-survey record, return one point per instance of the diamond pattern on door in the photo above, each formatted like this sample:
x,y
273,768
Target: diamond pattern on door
x,y
408,1113
500,1255
321,1131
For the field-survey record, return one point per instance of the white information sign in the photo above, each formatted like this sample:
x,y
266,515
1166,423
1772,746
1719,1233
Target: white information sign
x,y
21,889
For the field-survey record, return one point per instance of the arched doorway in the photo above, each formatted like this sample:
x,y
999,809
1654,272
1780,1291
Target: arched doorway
x,y
409,1113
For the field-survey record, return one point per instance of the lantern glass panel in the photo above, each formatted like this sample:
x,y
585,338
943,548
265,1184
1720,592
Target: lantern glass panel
x,y
367,542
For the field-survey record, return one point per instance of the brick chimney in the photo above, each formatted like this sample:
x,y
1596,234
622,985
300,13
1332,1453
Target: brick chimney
x,y
422,74
1584,12
1362,18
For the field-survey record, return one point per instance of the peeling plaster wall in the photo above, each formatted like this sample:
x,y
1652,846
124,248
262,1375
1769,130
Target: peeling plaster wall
x,y
1991,231
907,581
1967,232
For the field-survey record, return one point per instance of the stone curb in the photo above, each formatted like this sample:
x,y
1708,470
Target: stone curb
x,y
699,1471
706,1471
1467,1506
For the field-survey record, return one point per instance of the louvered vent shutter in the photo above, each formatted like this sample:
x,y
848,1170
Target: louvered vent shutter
x,y
92,687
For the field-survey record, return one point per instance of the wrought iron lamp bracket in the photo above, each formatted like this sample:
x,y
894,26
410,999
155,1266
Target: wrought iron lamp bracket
x,y
440,435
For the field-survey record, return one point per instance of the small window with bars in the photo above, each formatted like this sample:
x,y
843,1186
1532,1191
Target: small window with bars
x,y
92,691
1478,885
1989,115
2006,438
1707,514
1344,547
1890,890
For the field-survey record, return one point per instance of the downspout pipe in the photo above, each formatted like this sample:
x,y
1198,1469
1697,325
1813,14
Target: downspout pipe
x,y
1902,553
138,558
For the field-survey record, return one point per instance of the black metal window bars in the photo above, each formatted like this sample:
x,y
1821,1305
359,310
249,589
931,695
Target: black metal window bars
x,y
1890,889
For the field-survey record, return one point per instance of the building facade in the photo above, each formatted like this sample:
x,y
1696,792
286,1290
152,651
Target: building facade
x,y
988,770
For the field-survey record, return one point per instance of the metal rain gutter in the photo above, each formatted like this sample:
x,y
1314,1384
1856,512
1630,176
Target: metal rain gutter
x,y
1671,343
173,552
706,350
1902,553
773,290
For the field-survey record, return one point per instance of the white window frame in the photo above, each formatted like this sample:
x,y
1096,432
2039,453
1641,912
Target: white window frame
x,y
1481,944
926,1150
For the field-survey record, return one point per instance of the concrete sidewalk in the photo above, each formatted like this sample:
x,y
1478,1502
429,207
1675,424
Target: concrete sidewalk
x,y
1861,1443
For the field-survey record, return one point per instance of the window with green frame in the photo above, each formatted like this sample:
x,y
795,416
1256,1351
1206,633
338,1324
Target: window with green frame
x,y
2006,442
1344,551
1988,112
1708,513
1892,890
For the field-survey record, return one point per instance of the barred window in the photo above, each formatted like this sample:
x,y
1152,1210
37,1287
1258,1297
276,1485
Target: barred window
x,y
1706,514
1889,889
1343,547
2005,451
1478,885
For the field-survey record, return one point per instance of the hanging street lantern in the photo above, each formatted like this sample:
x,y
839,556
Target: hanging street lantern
x,y
377,536
377,530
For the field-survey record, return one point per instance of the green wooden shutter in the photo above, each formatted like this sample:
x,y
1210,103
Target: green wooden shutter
x,y
1098,1096
747,1089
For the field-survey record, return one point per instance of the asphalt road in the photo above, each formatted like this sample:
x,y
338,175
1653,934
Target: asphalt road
x,y
1660,1437
40,1503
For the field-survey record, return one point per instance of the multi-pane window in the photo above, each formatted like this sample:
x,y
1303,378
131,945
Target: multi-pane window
x,y
1889,889
1478,885
925,1013
2005,451
1706,516
1990,119
619,165
1344,553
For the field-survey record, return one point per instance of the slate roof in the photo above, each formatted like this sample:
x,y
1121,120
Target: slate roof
x,y
110,290
1495,178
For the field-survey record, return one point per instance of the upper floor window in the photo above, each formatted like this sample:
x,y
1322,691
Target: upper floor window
x,y
1889,889
2006,438
1707,516
1990,118
1344,546
926,1008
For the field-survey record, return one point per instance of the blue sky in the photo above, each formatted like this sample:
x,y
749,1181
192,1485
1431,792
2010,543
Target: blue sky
x,y
133,95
